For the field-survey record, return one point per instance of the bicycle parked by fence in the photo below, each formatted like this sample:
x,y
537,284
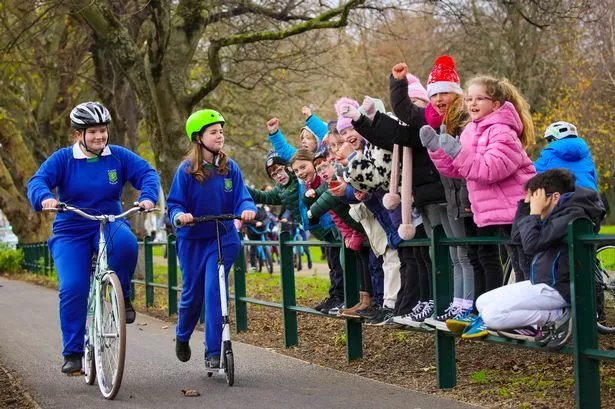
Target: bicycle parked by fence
x,y
105,340
262,254
297,233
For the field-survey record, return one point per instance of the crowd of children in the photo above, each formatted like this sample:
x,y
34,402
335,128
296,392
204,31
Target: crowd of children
x,y
444,156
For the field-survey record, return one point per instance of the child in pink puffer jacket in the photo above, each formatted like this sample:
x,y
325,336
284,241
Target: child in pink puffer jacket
x,y
490,154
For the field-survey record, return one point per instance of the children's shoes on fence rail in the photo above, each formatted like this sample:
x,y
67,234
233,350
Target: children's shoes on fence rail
x,y
561,331
131,315
72,363
476,329
457,324
182,350
528,333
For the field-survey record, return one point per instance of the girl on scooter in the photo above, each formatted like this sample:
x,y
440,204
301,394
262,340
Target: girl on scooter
x,y
208,182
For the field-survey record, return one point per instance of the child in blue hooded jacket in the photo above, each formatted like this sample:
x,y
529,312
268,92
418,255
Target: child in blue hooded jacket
x,y
90,175
567,150
208,182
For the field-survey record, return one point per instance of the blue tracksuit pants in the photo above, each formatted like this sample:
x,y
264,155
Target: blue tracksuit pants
x,y
72,256
198,260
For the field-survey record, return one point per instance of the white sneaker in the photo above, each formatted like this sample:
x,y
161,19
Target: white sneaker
x,y
434,323
407,321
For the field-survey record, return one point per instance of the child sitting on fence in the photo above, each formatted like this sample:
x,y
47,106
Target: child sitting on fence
x,y
538,309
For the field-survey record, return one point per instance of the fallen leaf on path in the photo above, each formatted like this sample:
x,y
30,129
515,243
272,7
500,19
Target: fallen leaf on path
x,y
141,324
165,327
190,392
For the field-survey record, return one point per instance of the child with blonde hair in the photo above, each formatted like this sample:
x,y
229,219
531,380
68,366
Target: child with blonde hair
x,y
490,155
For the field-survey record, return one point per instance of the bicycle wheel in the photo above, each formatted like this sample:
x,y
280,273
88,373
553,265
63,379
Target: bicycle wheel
x,y
509,273
89,366
604,275
229,367
260,260
269,260
110,342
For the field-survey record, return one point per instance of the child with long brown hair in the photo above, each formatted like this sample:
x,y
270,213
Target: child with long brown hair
x,y
206,183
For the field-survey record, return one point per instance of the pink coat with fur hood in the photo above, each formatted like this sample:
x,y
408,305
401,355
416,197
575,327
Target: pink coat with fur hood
x,y
494,164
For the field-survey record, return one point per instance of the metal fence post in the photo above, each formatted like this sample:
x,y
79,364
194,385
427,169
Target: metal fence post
x,y
239,274
446,376
287,277
582,262
354,334
171,275
46,259
149,271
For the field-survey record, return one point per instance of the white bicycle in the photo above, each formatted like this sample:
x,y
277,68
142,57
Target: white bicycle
x,y
105,339
227,362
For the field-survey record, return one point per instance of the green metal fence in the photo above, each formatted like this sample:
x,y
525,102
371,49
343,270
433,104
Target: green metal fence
x,y
581,243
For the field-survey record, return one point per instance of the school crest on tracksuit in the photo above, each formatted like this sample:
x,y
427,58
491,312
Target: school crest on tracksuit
x,y
112,176
228,184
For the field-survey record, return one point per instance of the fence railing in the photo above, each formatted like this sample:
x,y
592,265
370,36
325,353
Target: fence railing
x,y
581,245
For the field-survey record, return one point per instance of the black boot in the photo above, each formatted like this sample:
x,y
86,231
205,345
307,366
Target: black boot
x,y
131,315
182,350
212,362
72,363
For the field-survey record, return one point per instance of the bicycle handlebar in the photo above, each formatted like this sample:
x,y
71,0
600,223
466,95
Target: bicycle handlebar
x,y
63,207
221,217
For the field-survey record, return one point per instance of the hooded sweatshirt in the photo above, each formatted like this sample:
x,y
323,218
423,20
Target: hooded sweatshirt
x,y
572,154
494,164
544,240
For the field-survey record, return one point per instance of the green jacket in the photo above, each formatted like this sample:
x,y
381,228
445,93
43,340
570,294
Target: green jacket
x,y
325,201
289,196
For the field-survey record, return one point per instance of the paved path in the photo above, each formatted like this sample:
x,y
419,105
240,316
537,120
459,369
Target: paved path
x,y
153,378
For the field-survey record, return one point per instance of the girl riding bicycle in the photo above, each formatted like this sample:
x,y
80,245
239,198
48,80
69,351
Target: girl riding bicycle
x,y
208,182
91,174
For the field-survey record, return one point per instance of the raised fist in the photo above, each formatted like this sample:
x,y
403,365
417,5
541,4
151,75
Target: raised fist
x,y
272,125
399,71
306,111
369,107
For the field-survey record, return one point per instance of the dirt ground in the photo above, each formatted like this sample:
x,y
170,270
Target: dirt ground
x,y
12,394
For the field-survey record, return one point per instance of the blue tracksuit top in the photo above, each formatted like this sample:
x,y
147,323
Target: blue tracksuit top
x,y
286,150
90,183
572,154
220,194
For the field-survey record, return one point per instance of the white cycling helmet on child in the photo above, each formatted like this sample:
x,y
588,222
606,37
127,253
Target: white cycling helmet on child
x,y
88,114
560,130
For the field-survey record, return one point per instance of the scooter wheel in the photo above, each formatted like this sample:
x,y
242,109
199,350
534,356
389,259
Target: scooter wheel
x,y
229,368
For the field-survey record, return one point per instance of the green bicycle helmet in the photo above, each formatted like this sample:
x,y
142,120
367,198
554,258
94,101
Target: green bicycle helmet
x,y
200,119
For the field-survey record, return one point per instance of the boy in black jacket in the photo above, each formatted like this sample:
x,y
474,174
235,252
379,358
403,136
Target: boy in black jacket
x,y
538,308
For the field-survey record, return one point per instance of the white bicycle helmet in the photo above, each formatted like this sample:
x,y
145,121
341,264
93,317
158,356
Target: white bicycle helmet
x,y
89,114
560,130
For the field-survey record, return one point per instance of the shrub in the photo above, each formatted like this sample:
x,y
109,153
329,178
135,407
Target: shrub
x,y
10,260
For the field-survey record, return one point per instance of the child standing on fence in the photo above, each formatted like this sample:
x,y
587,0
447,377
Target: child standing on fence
x,y
321,201
288,192
538,309
490,155
208,182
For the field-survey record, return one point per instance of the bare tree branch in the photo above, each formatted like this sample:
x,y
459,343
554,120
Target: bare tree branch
x,y
320,22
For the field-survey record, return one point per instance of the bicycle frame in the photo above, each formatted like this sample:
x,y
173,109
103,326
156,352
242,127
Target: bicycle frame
x,y
95,335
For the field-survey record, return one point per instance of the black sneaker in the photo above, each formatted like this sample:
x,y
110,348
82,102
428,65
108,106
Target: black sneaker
x,y
72,363
321,304
330,303
131,315
425,313
562,330
182,350
335,309
212,362
369,312
381,317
